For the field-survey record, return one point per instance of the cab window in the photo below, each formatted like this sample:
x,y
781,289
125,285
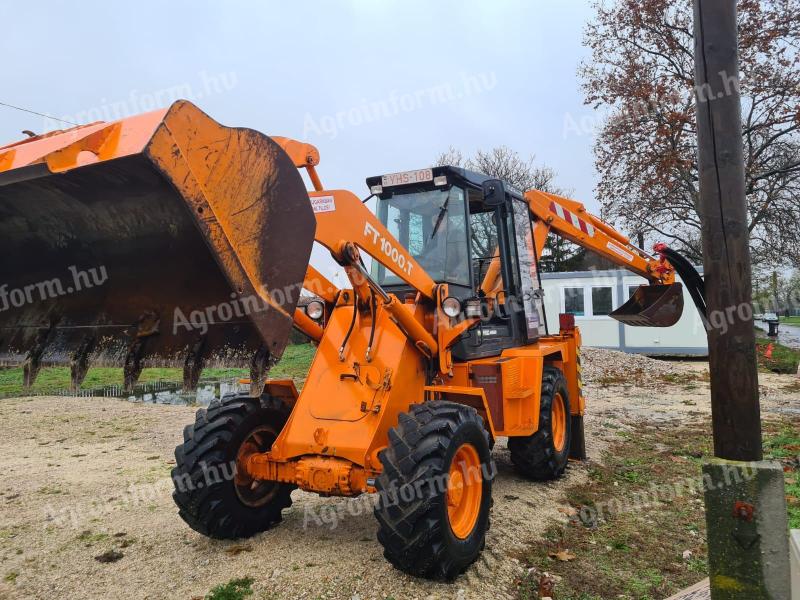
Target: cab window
x,y
432,225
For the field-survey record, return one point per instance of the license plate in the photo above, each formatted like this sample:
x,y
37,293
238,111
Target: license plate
x,y
407,177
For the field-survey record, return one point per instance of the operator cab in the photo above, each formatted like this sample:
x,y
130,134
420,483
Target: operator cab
x,y
475,234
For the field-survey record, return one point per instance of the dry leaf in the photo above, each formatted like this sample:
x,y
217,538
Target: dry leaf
x,y
238,549
563,555
547,586
567,510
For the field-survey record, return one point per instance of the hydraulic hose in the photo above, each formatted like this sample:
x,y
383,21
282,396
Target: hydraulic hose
x,y
373,307
691,278
352,324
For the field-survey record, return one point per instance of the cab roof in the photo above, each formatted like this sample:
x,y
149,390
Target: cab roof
x,y
454,174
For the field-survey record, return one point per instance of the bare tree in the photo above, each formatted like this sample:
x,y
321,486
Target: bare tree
x,y
506,164
642,73
776,291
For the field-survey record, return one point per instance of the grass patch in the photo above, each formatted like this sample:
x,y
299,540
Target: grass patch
x,y
235,589
295,362
88,537
52,380
782,443
632,528
638,531
784,359
790,320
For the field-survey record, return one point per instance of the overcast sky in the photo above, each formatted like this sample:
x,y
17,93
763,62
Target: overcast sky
x,y
376,86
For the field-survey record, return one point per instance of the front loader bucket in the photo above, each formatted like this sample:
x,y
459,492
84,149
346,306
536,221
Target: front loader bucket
x,y
652,306
163,239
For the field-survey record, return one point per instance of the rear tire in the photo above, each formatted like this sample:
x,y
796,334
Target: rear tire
x,y
212,497
434,493
544,455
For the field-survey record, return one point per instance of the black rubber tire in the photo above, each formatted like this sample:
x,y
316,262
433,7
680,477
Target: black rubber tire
x,y
416,533
535,456
203,476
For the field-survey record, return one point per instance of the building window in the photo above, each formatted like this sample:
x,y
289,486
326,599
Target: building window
x,y
601,301
632,289
573,301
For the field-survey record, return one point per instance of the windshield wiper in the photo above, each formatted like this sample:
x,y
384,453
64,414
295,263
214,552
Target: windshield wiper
x,y
442,213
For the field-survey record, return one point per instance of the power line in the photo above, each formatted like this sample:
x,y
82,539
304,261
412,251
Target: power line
x,y
33,112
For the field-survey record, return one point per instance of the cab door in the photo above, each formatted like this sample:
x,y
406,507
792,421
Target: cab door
x,y
529,293
504,274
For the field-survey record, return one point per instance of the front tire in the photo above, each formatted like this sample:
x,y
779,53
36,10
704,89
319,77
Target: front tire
x,y
213,497
435,490
544,455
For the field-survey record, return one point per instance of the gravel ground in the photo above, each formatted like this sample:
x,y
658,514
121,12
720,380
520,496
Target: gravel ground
x,y
80,477
599,364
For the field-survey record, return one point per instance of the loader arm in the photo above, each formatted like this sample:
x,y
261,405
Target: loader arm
x,y
345,226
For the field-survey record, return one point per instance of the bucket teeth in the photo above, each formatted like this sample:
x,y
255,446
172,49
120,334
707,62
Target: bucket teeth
x,y
260,365
79,364
32,363
193,365
145,328
133,363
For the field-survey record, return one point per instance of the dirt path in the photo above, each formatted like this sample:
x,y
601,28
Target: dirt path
x,y
80,477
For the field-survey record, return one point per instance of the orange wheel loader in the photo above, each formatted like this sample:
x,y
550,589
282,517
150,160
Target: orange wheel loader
x,y
432,352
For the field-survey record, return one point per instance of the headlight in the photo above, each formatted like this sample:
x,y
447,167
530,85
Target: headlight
x,y
315,309
473,308
451,306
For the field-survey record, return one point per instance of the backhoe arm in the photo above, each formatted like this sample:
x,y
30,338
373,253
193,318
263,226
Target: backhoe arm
x,y
572,221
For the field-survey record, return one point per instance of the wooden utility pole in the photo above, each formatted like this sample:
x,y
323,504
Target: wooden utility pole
x,y
726,252
746,522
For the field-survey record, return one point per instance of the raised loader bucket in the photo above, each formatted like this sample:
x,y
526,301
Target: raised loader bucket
x,y
163,239
652,306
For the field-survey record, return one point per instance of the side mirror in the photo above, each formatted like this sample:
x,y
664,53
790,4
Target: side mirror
x,y
494,192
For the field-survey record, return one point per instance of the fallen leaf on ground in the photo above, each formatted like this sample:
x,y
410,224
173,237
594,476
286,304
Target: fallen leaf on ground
x,y
562,555
567,510
547,586
238,549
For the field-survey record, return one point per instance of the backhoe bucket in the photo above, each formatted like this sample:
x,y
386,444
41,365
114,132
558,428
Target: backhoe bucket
x,y
652,306
163,239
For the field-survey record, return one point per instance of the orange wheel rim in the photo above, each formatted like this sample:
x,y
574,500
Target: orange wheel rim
x,y
559,422
464,491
